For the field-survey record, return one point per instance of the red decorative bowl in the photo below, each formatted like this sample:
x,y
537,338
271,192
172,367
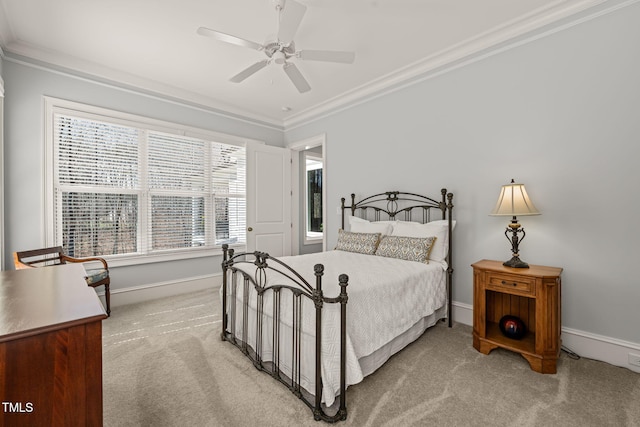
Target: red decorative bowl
x,y
512,327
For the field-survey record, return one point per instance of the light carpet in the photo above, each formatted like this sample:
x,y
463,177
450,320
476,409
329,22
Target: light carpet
x,y
165,365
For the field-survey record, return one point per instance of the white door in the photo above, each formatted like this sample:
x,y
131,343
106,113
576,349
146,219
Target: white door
x,y
268,199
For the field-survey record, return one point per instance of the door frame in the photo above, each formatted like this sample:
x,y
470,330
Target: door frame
x,y
296,147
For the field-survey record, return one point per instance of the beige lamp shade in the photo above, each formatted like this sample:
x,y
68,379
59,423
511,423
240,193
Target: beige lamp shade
x,y
514,201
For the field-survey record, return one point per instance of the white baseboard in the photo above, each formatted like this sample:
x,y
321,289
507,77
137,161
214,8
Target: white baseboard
x,y
462,313
599,347
153,291
585,344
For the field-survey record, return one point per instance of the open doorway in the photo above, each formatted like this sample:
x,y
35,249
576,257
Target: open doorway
x,y
313,226
309,193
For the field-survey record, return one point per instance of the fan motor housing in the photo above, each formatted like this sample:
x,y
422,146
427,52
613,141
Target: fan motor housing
x,y
271,47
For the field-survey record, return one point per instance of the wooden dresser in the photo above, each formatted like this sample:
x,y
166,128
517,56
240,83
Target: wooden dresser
x,y
531,294
50,348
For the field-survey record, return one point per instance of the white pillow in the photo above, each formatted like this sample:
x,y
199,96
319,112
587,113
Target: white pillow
x,y
438,229
359,225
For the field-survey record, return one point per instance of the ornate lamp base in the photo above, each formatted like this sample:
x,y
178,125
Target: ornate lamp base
x,y
514,228
515,262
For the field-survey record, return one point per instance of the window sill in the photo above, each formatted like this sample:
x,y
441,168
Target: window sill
x,y
139,259
313,238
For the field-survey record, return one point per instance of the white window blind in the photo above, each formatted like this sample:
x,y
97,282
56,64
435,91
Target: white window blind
x,y
131,190
228,177
177,185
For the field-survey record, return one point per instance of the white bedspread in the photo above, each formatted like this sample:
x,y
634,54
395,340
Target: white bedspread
x,y
386,297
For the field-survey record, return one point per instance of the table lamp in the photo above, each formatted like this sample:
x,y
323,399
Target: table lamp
x,y
514,201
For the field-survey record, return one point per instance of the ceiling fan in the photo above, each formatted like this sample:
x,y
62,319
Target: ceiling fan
x,y
282,49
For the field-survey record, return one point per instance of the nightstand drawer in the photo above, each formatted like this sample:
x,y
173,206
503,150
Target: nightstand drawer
x,y
507,283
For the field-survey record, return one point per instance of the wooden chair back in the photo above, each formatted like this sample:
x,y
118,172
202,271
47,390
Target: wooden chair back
x,y
39,257
54,256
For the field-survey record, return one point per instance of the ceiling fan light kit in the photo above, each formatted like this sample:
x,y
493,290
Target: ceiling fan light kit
x,y
281,50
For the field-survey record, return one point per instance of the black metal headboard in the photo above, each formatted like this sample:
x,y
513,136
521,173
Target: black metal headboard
x,y
397,205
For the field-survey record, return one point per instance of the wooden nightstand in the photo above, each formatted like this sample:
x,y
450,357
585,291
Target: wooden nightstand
x,y
533,295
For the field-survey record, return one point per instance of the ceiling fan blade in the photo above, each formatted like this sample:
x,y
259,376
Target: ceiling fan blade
x,y
228,38
249,71
290,17
296,77
327,55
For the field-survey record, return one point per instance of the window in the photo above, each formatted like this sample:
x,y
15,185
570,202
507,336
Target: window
x,y
313,191
127,187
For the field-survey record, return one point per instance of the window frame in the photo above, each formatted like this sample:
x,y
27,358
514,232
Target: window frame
x,y
311,237
53,106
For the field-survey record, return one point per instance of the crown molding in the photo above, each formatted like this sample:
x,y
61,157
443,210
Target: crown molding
x,y
26,54
463,53
546,20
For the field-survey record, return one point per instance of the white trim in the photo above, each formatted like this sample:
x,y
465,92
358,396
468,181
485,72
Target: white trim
x,y
462,313
94,112
47,182
527,27
51,105
600,347
125,82
585,344
310,142
313,239
502,38
125,260
136,294
297,146
295,201
318,237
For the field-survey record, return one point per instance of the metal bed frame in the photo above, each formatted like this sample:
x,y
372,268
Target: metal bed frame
x,y
400,206
236,278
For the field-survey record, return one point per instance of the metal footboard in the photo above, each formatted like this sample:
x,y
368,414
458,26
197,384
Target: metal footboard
x,y
254,276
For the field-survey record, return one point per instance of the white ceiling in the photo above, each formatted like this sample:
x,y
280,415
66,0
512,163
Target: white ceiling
x,y
153,45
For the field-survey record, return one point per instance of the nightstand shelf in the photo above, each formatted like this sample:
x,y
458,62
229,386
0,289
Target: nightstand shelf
x,y
531,294
525,345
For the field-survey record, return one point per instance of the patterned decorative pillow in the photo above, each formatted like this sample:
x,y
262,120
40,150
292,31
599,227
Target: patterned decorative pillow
x,y
438,228
408,248
363,243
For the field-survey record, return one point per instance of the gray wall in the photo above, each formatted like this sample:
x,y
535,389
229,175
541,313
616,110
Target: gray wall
x,y
25,86
559,114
